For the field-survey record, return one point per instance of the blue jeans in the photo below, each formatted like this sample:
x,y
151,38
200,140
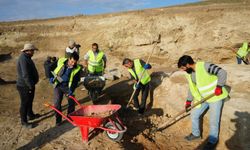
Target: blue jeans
x,y
239,60
215,113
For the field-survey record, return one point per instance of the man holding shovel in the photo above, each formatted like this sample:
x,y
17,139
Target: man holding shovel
x,y
136,68
204,79
66,78
242,53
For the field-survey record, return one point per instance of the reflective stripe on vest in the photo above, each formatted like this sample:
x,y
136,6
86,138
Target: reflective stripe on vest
x,y
243,50
138,70
95,63
60,64
205,84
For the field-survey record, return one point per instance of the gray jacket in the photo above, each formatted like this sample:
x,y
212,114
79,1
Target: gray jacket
x,y
27,75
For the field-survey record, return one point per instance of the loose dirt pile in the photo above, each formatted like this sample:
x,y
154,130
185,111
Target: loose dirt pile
x,y
203,30
101,114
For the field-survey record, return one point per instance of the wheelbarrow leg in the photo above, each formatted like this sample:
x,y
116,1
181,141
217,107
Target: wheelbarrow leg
x,y
85,133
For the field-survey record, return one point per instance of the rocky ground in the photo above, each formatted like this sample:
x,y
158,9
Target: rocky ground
x,y
204,30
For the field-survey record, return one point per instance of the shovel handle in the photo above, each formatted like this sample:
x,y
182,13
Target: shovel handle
x,y
166,124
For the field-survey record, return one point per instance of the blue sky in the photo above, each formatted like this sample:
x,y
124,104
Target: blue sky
x,y
36,9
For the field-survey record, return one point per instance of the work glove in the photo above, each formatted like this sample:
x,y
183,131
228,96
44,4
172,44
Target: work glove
x,y
187,105
147,66
218,90
51,80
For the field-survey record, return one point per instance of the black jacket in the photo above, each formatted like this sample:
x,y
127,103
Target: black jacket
x,y
47,70
48,67
27,75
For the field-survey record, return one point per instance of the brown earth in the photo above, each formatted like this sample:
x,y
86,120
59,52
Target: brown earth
x,y
202,30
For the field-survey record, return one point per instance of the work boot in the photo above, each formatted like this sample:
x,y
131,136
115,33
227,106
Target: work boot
x,y
27,125
58,121
35,116
209,146
141,111
192,137
58,124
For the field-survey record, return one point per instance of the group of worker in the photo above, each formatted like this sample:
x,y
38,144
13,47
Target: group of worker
x,y
204,79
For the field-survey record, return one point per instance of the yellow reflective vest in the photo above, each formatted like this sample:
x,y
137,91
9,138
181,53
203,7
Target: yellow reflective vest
x,y
60,65
205,85
95,63
243,50
138,72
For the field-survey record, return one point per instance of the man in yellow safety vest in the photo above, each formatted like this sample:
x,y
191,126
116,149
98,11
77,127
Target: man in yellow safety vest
x,y
204,79
95,60
65,80
136,68
243,53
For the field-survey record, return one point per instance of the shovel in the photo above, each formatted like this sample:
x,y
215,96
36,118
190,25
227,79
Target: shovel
x,y
180,115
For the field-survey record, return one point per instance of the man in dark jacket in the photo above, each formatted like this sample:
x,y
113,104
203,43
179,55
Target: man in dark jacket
x,y
27,78
69,73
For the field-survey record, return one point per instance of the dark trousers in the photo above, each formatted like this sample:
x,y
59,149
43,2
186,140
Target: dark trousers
x,y
27,97
239,60
145,90
59,91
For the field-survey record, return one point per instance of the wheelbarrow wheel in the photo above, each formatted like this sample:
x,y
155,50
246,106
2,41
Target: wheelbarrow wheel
x,y
115,136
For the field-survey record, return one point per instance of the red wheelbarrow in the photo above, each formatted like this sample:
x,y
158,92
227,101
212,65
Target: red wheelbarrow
x,y
96,116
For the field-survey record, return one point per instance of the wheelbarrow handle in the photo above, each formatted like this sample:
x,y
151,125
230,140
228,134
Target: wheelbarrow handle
x,y
74,99
59,112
